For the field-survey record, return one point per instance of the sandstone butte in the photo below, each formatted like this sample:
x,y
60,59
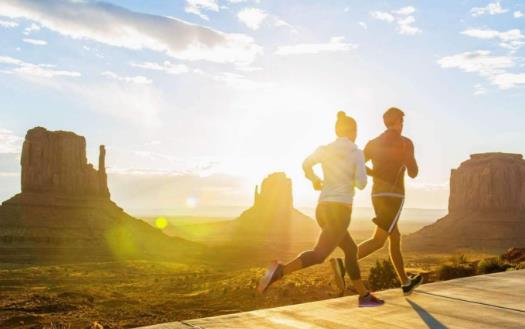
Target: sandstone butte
x,y
64,211
486,207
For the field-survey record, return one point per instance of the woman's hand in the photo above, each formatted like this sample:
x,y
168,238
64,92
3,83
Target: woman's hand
x,y
317,184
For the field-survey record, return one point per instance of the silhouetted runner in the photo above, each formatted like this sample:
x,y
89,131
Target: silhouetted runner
x,y
343,169
392,154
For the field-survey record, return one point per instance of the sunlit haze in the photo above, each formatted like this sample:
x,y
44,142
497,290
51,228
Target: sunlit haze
x,y
198,101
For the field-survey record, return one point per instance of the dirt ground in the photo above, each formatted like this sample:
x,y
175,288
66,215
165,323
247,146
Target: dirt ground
x,y
134,293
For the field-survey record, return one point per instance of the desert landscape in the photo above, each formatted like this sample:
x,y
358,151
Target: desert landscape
x,y
194,163
71,258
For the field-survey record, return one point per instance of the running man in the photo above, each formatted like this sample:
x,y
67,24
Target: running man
x,y
392,154
343,169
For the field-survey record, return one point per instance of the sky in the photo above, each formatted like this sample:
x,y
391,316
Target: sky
x,y
198,100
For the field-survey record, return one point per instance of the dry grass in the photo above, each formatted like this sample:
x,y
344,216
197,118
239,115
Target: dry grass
x,y
135,293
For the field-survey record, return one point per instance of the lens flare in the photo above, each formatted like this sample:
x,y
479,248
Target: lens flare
x,y
161,223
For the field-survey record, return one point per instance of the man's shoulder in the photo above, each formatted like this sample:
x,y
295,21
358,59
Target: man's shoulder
x,y
375,140
407,140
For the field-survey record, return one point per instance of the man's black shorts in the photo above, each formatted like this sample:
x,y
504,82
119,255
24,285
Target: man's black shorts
x,y
387,209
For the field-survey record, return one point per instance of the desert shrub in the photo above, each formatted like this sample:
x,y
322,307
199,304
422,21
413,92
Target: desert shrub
x,y
492,265
454,271
382,276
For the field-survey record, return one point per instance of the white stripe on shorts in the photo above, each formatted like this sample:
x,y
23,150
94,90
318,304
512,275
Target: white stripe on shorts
x,y
394,195
394,222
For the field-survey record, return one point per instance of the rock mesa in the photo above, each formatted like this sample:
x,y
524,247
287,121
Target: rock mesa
x,y
486,207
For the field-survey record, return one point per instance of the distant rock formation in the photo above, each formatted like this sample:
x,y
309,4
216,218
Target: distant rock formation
x,y
486,207
55,162
274,203
273,218
65,213
488,182
271,221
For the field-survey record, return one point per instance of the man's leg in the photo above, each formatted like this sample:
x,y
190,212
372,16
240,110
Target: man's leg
x,y
376,242
395,255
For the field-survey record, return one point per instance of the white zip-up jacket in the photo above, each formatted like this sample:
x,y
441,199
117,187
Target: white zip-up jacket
x,y
343,165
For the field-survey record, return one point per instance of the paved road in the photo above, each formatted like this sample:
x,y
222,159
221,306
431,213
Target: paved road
x,y
485,301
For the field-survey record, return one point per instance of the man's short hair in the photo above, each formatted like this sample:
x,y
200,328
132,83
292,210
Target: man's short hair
x,y
392,116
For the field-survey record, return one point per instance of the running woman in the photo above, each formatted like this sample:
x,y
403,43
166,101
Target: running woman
x,y
392,155
343,169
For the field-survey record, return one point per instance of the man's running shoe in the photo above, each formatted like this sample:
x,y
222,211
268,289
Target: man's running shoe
x,y
274,273
339,271
412,284
370,301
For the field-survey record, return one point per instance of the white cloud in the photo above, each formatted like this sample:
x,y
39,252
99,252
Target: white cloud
x,y
335,44
508,80
511,39
35,42
9,142
31,28
139,79
479,61
402,17
493,8
116,26
278,22
252,17
479,89
197,6
382,16
8,24
409,10
166,67
363,25
518,14
241,1
493,68
405,26
10,60
35,70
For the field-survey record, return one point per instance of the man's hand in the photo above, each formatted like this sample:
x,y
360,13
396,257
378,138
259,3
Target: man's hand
x,y
317,184
369,171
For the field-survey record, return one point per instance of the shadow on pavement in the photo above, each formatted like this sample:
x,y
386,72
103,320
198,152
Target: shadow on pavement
x,y
429,320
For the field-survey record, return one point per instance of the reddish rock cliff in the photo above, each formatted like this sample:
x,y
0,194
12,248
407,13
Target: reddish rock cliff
x,y
64,212
486,207
488,182
55,162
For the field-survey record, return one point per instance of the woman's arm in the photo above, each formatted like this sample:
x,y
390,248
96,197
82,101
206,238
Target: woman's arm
x,y
360,178
308,167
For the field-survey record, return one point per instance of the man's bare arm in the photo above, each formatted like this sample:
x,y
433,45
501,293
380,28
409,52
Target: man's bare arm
x,y
410,160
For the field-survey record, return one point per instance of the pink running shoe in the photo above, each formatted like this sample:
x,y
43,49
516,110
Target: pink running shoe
x,y
370,301
274,273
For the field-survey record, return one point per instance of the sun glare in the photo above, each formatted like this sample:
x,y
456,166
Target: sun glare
x,y
191,202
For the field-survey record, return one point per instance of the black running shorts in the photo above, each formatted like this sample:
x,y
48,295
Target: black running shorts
x,y
388,210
